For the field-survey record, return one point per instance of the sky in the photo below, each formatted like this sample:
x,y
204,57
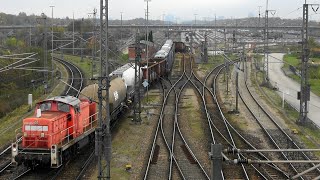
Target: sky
x,y
177,10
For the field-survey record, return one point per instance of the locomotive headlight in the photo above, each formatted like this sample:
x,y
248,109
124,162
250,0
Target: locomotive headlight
x,y
25,134
14,148
53,151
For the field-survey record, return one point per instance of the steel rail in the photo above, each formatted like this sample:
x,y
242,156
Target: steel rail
x,y
273,166
275,123
178,127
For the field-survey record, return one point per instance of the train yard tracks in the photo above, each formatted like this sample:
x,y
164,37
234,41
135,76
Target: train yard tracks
x,y
171,155
222,132
276,135
243,141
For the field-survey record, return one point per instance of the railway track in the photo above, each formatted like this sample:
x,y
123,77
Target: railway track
x,y
170,155
187,153
76,78
269,171
218,130
221,131
76,167
277,135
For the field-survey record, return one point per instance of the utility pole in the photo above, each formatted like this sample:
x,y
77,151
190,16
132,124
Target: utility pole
x,y
45,55
205,48
243,56
191,41
258,32
259,17
215,36
73,33
163,15
121,26
137,83
102,133
93,65
304,94
147,47
226,77
266,46
30,35
225,39
52,45
237,88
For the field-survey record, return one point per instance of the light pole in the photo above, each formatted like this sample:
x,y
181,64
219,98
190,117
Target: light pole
x,y
121,26
147,47
93,66
73,33
163,15
52,45
195,19
215,35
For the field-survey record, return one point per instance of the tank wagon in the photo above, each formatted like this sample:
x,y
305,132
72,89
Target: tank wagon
x,y
127,73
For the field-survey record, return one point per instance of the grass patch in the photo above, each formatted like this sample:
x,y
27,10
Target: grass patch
x,y
13,120
193,117
84,64
10,123
314,71
292,60
130,143
213,61
119,173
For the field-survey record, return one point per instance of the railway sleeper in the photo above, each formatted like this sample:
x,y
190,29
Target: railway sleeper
x,y
188,154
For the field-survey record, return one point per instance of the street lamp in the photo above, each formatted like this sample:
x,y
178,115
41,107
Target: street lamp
x,y
52,45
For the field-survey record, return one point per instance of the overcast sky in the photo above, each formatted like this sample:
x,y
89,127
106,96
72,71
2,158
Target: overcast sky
x,y
173,9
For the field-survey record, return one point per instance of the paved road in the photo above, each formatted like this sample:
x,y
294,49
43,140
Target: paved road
x,y
291,87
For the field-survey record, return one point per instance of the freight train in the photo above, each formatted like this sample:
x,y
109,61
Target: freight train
x,y
62,125
161,64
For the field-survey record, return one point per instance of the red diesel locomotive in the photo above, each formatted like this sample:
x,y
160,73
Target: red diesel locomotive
x,y
58,128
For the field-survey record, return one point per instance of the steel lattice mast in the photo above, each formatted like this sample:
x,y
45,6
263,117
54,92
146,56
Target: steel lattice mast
x,y
137,75
266,46
305,87
103,134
